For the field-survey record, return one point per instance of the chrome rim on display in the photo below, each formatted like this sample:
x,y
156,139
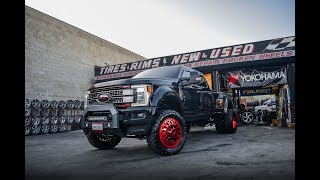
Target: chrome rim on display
x,y
70,119
53,128
54,104
54,120
35,121
62,104
77,104
77,119
44,112
35,129
54,112
70,104
27,112
45,129
62,119
35,103
26,130
27,121
45,104
27,103
61,112
45,120
34,112
247,117
62,128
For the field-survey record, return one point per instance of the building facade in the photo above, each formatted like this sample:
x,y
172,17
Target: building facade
x,y
60,58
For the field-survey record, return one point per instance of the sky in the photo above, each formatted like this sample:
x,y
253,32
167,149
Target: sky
x,y
154,28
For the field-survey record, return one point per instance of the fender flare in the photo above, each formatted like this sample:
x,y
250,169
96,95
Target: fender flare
x,y
161,94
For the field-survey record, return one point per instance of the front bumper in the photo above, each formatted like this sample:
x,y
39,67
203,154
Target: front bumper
x,y
133,120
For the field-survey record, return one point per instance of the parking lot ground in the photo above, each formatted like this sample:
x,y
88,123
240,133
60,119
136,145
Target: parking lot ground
x,y
254,152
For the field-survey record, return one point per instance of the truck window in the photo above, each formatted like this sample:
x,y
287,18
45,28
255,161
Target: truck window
x,y
185,73
162,72
203,82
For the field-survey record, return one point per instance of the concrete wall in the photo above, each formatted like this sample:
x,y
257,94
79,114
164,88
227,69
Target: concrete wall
x,y
60,58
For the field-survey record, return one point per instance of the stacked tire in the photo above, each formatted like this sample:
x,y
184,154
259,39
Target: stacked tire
x,y
74,111
43,116
27,114
35,117
62,119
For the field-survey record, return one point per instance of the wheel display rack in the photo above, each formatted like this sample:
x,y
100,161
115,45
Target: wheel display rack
x,y
47,117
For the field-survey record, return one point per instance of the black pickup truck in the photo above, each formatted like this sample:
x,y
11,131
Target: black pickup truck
x,y
159,104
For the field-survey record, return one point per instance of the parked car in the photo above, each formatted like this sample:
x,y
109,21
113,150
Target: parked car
x,y
268,105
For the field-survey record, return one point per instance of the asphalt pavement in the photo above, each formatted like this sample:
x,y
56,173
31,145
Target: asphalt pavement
x,y
253,152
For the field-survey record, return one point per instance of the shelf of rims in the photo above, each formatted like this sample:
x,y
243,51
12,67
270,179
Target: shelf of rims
x,y
43,117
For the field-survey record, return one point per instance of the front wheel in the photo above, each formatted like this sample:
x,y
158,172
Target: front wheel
x,y
168,134
103,141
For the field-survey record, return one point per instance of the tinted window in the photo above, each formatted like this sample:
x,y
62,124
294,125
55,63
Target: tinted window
x,y
203,82
162,72
185,73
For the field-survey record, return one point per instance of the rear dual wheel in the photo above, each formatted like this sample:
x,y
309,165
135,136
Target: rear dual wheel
x,y
168,134
228,124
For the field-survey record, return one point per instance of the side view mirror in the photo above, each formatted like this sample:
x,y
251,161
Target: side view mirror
x,y
195,78
184,81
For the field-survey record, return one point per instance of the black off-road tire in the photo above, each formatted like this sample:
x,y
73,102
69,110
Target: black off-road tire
x,y
226,126
188,127
220,127
111,142
153,139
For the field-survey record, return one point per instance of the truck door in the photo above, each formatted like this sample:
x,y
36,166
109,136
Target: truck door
x,y
195,101
186,95
202,99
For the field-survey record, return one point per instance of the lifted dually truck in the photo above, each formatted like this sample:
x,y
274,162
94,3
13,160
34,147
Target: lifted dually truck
x,y
159,104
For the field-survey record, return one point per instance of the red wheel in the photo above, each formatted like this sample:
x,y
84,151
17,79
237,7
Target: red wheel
x,y
170,133
234,121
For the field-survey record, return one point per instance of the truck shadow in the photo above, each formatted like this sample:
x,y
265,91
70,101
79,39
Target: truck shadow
x,y
139,151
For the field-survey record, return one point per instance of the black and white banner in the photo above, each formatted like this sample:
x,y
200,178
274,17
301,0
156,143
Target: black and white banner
x,y
255,51
255,91
256,78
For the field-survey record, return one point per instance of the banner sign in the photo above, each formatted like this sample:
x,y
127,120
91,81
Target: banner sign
x,y
256,91
262,50
255,78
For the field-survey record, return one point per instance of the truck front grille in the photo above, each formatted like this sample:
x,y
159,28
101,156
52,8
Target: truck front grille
x,y
116,95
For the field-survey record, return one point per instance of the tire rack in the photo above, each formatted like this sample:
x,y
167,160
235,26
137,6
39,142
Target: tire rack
x,y
40,125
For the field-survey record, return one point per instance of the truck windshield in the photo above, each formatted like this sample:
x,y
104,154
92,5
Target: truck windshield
x,y
162,72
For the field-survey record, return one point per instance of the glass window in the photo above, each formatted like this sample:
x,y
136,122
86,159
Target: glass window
x,y
161,72
186,74
203,82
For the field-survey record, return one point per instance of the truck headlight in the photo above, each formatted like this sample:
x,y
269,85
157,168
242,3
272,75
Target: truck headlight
x,y
86,96
143,93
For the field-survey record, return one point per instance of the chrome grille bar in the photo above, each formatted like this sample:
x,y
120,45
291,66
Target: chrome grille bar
x,y
116,93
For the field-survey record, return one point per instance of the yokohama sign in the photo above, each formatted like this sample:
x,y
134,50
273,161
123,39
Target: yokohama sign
x,y
255,78
256,51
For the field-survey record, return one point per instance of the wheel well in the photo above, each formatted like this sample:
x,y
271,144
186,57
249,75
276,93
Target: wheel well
x,y
230,104
170,101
